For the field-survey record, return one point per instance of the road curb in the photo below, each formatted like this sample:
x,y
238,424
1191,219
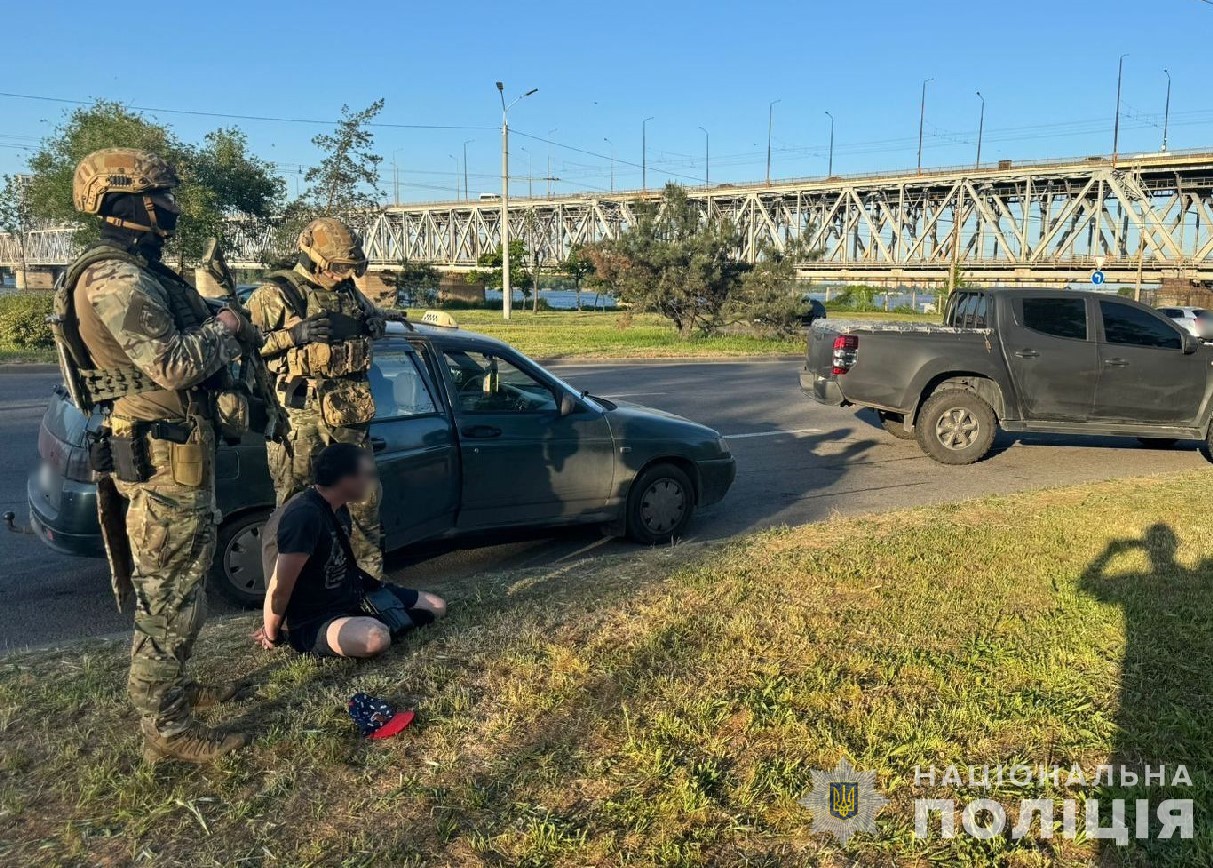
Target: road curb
x,y
574,362
28,368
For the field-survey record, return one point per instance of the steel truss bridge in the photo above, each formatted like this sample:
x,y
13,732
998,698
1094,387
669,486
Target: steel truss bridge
x,y
1146,217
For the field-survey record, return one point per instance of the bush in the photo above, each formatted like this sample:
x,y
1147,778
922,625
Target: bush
x,y
23,320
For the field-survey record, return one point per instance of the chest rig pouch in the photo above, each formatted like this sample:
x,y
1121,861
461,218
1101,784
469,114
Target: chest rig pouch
x,y
348,353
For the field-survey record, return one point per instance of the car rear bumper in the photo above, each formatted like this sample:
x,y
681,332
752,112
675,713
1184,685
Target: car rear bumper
x,y
63,514
820,389
715,478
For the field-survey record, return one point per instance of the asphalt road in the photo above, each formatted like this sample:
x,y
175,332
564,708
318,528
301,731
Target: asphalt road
x,y
797,462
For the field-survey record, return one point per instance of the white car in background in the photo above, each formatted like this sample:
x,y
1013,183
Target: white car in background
x,y
1194,320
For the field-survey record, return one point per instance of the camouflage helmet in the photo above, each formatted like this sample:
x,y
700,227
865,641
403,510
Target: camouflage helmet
x,y
118,170
329,242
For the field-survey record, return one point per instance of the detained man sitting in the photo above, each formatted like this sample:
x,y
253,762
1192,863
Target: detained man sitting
x,y
318,599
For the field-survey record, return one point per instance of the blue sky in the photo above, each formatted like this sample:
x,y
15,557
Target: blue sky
x,y
1046,69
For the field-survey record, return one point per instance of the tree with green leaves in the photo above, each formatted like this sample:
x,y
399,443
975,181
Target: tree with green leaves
x,y
769,296
577,266
17,215
673,262
347,178
222,184
488,268
417,284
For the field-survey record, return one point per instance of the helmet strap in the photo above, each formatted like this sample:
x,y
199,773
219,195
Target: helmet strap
x,y
154,224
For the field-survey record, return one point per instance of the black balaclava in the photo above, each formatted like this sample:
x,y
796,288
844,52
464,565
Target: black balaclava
x,y
130,207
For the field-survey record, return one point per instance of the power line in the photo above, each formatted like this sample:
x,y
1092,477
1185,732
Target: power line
x,y
239,117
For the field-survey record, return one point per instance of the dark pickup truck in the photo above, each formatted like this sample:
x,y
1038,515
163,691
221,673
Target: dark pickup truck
x,y
1024,360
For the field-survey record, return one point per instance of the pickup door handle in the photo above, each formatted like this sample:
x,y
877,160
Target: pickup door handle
x,y
1116,363
1027,354
481,432
378,444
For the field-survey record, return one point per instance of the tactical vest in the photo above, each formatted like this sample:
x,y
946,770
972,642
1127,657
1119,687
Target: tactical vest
x,y
92,386
349,352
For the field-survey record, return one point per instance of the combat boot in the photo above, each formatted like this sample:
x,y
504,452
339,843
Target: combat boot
x,y
203,696
198,744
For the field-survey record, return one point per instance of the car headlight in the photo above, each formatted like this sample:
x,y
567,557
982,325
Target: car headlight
x,y
723,445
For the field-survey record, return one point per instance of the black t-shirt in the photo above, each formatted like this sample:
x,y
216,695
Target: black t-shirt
x,y
329,584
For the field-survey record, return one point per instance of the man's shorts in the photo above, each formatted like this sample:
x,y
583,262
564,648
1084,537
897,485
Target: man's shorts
x,y
311,637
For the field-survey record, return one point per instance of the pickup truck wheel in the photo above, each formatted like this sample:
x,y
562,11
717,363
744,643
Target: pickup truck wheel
x,y
895,425
956,426
1157,442
236,571
660,504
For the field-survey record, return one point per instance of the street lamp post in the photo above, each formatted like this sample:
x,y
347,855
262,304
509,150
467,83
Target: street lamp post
x,y
1166,112
506,291
395,178
611,163
705,157
465,169
1120,74
981,125
922,116
830,173
644,153
770,127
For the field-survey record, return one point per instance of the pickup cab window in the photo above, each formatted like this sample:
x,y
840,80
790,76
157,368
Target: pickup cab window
x,y
1132,326
969,311
1057,317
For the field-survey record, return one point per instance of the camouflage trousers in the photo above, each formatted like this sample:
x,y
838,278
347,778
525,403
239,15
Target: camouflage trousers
x,y
171,525
291,469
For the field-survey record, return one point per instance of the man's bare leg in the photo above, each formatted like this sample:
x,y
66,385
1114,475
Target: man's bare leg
x,y
358,637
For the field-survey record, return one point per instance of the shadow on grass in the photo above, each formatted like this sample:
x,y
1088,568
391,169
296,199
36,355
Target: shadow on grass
x,y
1165,713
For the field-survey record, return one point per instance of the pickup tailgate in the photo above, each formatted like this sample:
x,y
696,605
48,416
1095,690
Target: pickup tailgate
x,y
817,378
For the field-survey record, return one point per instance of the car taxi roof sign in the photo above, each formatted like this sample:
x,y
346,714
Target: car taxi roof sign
x,y
439,319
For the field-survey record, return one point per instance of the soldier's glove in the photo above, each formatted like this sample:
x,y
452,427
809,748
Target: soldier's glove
x,y
316,329
376,326
247,333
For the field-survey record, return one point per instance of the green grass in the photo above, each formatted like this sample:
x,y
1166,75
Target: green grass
x,y
666,707
26,355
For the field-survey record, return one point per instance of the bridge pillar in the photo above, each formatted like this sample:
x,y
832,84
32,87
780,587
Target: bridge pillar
x,y
36,277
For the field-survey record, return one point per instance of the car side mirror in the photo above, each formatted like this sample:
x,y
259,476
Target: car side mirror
x,y
568,404
1191,344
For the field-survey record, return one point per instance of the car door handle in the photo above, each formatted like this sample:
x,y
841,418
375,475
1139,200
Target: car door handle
x,y
1027,354
378,444
1116,363
481,432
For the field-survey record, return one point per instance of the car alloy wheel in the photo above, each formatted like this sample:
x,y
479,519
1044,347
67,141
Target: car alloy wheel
x,y
957,428
662,506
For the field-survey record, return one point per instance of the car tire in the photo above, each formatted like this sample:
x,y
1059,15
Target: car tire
x,y
236,571
955,426
660,504
894,424
1157,442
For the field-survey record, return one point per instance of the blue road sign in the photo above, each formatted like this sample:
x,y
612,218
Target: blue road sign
x,y
1097,278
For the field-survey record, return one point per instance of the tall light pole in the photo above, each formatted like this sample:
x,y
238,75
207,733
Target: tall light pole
x,y
922,117
507,293
770,127
705,157
1166,112
981,125
530,192
830,173
644,153
549,174
395,178
1120,74
611,163
465,168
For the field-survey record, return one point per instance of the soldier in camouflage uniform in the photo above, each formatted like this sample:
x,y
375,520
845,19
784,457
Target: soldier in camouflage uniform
x,y
318,331
139,343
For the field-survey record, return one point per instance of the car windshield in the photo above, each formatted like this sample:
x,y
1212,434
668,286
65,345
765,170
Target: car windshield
x,y
1203,314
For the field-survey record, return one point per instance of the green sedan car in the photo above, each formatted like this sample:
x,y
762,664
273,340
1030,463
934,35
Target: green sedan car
x,y
470,435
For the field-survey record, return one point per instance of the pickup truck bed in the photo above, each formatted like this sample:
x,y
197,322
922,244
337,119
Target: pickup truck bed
x,y
1056,361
